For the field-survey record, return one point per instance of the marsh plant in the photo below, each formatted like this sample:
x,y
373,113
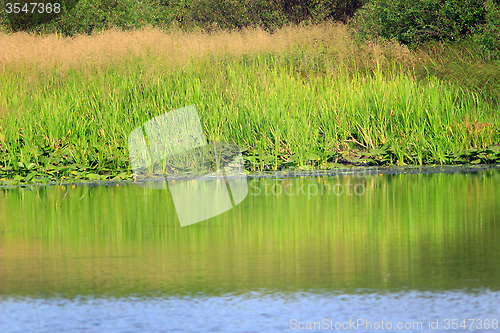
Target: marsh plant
x,y
312,97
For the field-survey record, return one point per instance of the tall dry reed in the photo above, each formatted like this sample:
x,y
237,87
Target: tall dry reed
x,y
114,47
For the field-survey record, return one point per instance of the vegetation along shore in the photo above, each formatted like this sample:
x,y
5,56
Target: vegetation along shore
x,y
301,97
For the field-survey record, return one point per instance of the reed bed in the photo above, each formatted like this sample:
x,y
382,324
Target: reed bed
x,y
304,97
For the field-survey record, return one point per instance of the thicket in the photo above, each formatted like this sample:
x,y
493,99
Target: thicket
x,y
94,15
410,22
417,22
487,35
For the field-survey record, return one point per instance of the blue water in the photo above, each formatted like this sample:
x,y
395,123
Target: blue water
x,y
413,253
257,312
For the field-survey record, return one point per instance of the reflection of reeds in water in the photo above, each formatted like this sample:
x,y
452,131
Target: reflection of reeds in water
x,y
127,240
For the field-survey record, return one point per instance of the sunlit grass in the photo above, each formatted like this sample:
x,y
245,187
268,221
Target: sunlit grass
x,y
303,97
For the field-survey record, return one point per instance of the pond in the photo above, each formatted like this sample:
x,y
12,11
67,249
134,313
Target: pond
x,y
359,253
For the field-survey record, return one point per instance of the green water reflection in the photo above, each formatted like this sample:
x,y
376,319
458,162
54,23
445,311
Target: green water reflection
x,y
391,232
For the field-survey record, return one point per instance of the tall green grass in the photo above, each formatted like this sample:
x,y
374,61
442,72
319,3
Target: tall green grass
x,y
312,105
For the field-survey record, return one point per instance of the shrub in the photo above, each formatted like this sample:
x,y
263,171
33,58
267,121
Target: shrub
x,y
416,22
487,36
237,14
28,15
224,14
94,15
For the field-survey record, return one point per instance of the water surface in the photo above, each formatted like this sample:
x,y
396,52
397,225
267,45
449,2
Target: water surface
x,y
398,248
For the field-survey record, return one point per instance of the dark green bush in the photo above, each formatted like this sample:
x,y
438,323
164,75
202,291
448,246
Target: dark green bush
x,y
487,35
237,14
94,15
224,14
337,10
413,22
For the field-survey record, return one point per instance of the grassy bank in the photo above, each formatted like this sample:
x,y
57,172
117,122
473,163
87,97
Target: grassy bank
x,y
310,97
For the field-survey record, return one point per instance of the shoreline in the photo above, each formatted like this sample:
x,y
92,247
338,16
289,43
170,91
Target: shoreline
x,y
66,116
359,171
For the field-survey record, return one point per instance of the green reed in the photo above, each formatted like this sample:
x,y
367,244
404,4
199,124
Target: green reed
x,y
294,109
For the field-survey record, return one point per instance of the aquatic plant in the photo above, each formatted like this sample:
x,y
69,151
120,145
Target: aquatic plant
x,y
310,97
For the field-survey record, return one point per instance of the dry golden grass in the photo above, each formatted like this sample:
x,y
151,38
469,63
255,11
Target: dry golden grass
x,y
176,48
